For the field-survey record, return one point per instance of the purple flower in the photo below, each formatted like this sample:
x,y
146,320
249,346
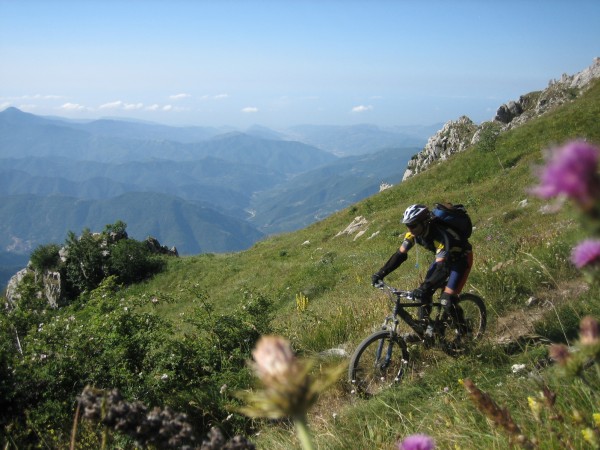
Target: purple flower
x,y
586,253
417,442
571,171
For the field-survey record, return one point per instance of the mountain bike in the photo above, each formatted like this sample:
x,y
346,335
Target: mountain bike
x,y
381,359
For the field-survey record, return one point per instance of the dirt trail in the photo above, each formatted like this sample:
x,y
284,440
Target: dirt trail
x,y
518,326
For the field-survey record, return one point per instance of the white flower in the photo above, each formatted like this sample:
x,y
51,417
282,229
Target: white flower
x,y
516,368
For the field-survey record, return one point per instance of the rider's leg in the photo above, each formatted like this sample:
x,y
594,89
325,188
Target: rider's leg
x,y
459,272
427,297
459,280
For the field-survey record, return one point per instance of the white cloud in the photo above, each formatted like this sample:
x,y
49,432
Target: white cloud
x,y
214,97
154,107
132,106
122,105
112,105
179,96
361,108
167,107
250,110
4,105
72,107
37,97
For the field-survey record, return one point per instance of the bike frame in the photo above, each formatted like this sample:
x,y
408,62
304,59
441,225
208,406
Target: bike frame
x,y
400,311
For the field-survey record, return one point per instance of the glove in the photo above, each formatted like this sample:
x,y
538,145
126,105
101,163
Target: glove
x,y
423,293
376,279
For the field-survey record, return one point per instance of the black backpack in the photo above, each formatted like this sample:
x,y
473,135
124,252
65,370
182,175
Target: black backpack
x,y
456,217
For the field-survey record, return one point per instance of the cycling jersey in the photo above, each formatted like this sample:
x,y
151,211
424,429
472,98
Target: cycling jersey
x,y
443,241
453,255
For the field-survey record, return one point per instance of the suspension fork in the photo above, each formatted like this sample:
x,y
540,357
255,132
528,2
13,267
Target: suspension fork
x,y
392,330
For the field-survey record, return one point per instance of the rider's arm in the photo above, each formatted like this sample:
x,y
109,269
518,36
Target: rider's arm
x,y
396,259
437,277
392,264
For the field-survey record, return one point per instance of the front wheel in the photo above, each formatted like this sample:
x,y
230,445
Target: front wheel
x,y
378,362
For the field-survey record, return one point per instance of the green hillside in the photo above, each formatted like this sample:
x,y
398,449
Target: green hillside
x,y
519,254
521,257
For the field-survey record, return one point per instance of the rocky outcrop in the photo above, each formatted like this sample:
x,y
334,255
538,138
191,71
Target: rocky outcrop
x,y
454,137
12,292
155,247
458,135
52,282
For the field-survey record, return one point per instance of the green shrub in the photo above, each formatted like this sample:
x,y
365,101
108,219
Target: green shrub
x,y
111,341
85,262
45,257
131,261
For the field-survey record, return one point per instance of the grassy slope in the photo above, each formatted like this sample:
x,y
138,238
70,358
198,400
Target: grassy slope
x,y
334,272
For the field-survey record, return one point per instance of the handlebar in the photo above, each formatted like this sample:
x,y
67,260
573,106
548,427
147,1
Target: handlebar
x,y
397,292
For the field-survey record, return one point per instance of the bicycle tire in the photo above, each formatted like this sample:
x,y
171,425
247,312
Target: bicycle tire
x,y
475,314
456,337
369,372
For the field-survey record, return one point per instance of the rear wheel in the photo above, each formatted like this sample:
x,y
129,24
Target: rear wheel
x,y
457,336
378,362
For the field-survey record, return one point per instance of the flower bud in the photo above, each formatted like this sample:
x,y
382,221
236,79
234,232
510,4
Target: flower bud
x,y
589,331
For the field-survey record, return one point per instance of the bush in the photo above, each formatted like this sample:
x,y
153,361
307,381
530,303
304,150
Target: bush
x,y
85,262
110,341
131,261
45,257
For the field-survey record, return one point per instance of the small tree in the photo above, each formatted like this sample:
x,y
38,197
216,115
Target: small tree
x,y
45,257
131,261
85,261
115,232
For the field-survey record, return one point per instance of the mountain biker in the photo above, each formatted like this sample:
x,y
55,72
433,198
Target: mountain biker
x,y
452,264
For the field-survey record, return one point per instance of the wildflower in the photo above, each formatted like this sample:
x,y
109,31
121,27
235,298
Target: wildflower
x,y
516,368
571,171
160,428
589,331
274,359
577,416
596,417
417,442
289,390
591,437
560,353
500,416
535,407
586,253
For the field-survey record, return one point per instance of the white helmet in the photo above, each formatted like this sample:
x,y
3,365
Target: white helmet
x,y
415,214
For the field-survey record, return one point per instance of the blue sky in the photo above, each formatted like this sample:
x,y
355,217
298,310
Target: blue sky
x,y
284,63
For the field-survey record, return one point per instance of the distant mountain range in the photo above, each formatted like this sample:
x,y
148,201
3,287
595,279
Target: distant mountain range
x,y
200,189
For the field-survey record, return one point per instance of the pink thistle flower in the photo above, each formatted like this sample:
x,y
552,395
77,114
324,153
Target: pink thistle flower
x,y
586,253
274,357
417,442
572,171
589,331
560,353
